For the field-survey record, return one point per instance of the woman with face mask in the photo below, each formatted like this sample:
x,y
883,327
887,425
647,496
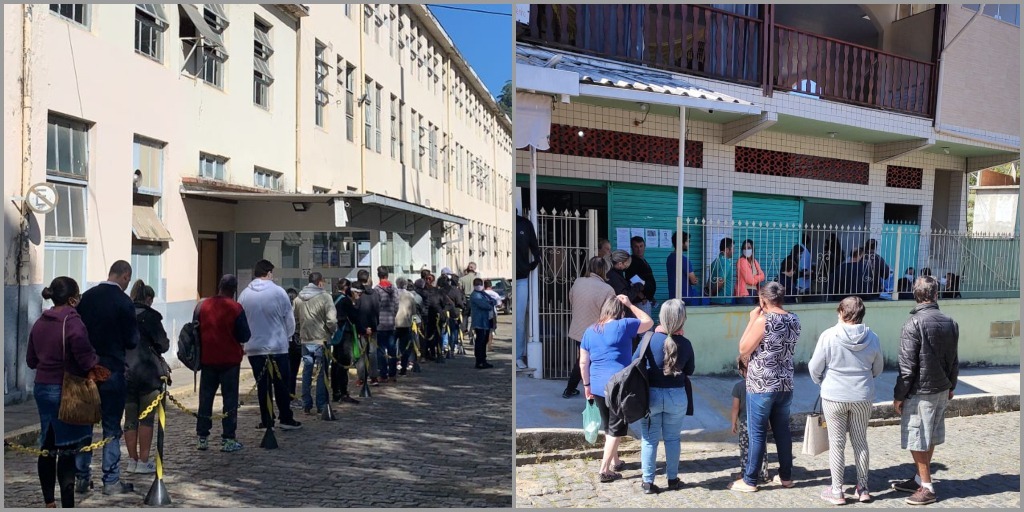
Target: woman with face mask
x,y
749,275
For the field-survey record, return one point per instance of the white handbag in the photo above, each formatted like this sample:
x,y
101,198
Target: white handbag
x,y
815,432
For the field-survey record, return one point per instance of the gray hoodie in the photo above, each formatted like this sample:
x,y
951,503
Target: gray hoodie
x,y
845,363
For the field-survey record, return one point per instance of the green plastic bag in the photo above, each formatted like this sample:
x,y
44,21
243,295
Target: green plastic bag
x,y
591,422
356,349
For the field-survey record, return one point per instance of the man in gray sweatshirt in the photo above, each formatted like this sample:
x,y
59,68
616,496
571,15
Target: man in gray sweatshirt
x,y
845,363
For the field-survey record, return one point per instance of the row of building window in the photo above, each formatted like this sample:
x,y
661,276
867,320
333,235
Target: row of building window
x,y
205,56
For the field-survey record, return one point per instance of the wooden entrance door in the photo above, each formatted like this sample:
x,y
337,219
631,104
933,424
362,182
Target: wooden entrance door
x,y
209,266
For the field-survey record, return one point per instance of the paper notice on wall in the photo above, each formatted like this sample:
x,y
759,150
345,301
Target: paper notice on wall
x,y
622,239
637,232
651,238
666,238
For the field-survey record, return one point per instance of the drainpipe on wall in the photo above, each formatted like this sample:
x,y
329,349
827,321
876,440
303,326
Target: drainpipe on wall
x,y
362,111
26,181
298,106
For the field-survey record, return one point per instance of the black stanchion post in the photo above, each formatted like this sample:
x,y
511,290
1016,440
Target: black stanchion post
x,y
269,441
328,413
157,495
365,391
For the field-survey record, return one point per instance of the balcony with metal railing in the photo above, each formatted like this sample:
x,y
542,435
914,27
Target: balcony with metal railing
x,y
747,47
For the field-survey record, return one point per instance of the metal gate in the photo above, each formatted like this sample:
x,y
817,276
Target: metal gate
x,y
568,239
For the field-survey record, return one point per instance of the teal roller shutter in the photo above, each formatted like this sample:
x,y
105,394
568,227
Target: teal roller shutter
x,y
654,207
909,238
780,218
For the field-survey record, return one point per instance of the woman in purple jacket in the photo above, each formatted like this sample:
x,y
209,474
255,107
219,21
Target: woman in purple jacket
x,y
57,343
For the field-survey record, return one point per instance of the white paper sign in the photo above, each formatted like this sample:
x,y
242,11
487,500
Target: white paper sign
x,y
666,238
622,239
636,280
637,232
651,238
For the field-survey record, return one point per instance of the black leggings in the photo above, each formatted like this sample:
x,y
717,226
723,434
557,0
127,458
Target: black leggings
x,y
57,468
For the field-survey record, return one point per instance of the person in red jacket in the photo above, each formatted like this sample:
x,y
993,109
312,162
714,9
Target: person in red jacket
x,y
223,329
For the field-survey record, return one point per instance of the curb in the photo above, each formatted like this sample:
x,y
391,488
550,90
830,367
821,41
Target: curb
x,y
539,445
29,436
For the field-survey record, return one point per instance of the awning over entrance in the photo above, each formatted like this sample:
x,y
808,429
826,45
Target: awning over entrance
x,y
604,78
403,206
147,226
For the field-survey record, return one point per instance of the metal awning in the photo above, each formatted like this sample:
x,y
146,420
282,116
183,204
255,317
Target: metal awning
x,y
147,226
397,204
263,69
366,199
617,80
210,37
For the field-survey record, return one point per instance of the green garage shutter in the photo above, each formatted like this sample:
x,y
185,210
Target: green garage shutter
x,y
654,207
780,218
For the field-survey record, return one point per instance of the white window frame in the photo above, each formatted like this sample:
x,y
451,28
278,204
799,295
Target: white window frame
x,y
75,128
64,205
75,9
350,102
394,127
367,114
432,147
216,163
401,131
321,70
377,120
50,259
262,51
414,139
139,141
156,252
266,178
150,21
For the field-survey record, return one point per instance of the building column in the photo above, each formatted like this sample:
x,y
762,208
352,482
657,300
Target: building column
x,y
719,217
420,246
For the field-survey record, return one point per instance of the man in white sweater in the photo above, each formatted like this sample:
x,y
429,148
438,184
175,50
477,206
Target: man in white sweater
x,y
272,322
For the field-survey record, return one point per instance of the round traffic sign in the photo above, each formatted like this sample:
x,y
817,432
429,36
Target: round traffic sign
x,y
41,198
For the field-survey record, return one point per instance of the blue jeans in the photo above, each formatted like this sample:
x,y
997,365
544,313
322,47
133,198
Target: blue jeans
x,y
112,398
313,353
765,409
522,294
387,354
668,407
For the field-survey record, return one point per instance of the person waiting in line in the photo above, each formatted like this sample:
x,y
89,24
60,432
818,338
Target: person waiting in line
x,y
586,298
828,268
769,342
403,324
789,272
617,274
722,281
690,280
57,344
606,348
845,363
604,251
344,338
317,318
905,284
387,307
465,285
411,350
669,380
223,329
368,306
950,286
639,268
294,351
434,303
456,305
876,270
739,423
850,280
145,369
481,305
749,275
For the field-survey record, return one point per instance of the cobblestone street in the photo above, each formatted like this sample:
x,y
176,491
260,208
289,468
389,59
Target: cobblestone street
x,y
440,438
979,466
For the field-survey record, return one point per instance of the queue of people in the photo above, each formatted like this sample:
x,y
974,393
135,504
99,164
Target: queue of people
x,y
118,341
846,360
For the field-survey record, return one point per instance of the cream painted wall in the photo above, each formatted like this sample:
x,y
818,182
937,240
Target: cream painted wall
x,y
979,89
715,331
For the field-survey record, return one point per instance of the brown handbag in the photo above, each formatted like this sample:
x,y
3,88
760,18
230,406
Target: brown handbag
x,y
79,396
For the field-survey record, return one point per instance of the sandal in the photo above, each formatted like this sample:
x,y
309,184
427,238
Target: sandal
x,y
609,477
620,466
788,484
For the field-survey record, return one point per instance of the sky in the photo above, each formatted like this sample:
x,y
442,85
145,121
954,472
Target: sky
x,y
484,40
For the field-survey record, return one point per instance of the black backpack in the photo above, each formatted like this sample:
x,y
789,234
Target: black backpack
x,y
628,391
189,344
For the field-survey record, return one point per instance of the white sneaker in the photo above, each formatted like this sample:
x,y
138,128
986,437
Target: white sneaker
x,y
132,465
146,468
521,364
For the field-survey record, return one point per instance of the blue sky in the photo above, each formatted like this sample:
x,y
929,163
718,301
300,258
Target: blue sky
x,y
484,40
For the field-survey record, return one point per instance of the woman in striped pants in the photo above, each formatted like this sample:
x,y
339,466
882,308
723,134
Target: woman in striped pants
x,y
845,363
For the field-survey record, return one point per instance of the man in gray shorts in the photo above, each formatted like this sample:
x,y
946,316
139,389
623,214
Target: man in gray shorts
x,y
928,372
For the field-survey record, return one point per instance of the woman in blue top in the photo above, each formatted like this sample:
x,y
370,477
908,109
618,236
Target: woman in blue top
x,y
605,349
670,386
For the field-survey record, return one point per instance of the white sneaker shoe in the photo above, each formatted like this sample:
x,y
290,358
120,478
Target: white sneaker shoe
x,y
132,466
521,364
146,468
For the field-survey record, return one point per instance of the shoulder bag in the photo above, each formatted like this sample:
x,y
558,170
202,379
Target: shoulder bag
x,y
79,396
815,431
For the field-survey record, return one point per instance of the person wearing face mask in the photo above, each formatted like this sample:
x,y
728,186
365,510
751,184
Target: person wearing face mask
x,y
749,275
481,305
845,363
145,369
906,283
723,274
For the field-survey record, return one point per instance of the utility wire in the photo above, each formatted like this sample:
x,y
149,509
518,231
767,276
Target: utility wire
x,y
470,10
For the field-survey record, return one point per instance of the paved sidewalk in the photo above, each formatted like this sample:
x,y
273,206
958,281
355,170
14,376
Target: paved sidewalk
x,y
440,438
540,406
977,467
